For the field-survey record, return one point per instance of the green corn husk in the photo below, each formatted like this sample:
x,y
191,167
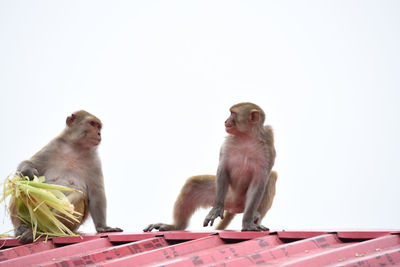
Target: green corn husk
x,y
39,205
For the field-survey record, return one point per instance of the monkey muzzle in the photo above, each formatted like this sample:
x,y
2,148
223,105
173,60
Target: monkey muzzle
x,y
96,141
228,127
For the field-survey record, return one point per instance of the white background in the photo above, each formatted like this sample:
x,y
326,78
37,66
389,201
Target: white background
x,y
162,75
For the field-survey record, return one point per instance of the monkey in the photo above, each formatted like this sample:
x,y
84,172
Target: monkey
x,y
71,159
245,182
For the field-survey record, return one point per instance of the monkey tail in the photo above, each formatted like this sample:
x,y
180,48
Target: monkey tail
x,y
228,216
198,191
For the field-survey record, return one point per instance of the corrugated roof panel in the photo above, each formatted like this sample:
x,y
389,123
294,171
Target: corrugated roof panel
x,y
380,258
170,252
279,254
126,237
223,248
225,252
19,251
110,253
80,248
344,252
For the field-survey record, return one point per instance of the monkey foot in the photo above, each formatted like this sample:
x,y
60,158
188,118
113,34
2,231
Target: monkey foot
x,y
159,226
255,227
24,234
106,229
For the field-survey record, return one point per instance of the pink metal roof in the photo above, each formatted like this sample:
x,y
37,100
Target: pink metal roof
x,y
222,248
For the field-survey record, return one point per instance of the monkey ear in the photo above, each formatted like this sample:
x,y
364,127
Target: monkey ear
x,y
254,116
70,119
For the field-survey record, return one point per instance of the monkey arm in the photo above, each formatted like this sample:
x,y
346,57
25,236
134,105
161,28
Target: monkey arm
x,y
97,209
253,199
98,205
222,181
38,163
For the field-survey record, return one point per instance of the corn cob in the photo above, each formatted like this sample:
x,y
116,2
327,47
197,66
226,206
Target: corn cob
x,y
39,205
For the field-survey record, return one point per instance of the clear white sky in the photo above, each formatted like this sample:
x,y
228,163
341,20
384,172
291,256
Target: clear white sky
x,y
162,75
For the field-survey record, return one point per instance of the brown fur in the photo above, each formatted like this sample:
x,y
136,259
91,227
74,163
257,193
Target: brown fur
x,y
244,181
71,159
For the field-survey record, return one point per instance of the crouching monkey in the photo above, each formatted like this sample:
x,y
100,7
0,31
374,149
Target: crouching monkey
x,y
71,159
244,182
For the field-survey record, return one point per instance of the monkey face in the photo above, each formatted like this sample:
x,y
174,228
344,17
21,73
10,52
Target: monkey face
x,y
230,123
234,124
84,129
93,132
242,120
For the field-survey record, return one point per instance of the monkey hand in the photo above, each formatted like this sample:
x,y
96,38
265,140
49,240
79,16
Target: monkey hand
x,y
29,171
160,227
253,227
214,213
105,229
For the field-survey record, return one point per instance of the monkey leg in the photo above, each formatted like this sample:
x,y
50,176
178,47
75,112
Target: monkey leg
x,y
228,217
198,191
268,197
265,205
22,231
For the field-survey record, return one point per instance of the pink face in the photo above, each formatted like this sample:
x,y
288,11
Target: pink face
x,y
241,121
231,122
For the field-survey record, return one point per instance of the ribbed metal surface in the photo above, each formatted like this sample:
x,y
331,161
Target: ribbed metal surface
x,y
225,248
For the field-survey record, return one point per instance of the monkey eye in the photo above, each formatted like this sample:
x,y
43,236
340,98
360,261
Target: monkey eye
x,y
92,123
